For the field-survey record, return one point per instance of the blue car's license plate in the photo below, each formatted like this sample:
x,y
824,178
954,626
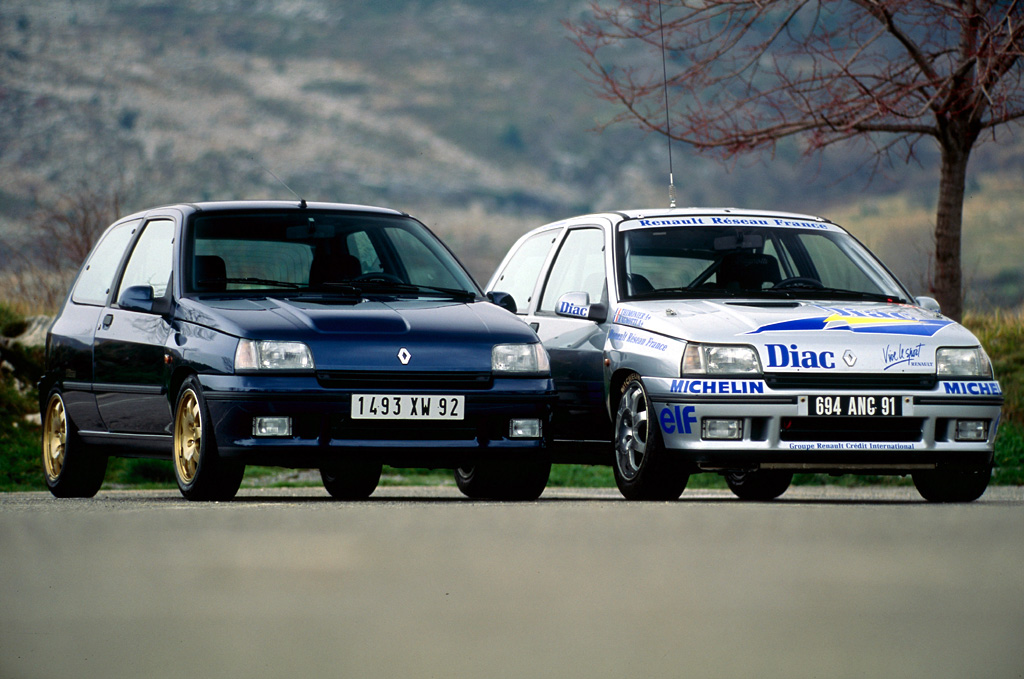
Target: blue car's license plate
x,y
407,407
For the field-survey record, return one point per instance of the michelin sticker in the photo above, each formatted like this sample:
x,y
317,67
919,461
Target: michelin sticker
x,y
873,322
717,387
973,388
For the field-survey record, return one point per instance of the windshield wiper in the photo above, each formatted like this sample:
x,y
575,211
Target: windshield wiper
x,y
819,291
257,281
391,286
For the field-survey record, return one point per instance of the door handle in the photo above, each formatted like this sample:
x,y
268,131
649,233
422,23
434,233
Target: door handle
x,y
107,320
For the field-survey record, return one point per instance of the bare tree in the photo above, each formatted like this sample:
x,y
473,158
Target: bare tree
x,y
746,74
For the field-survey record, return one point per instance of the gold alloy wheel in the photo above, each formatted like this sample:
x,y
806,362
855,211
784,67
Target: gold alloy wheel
x,y
55,438
188,436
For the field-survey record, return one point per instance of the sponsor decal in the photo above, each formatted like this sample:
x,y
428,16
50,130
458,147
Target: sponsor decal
x,y
781,356
875,322
570,309
637,319
900,354
717,387
639,340
973,388
677,419
734,221
851,446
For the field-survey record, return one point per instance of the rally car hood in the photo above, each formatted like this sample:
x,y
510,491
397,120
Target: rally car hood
x,y
800,336
435,335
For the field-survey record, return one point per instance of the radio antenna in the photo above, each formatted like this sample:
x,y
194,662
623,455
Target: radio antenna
x,y
302,201
668,120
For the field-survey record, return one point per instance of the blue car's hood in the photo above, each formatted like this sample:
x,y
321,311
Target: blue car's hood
x,y
369,335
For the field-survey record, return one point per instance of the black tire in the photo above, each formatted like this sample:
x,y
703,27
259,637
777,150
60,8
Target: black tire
x,y
351,479
759,485
71,467
644,470
945,485
200,472
503,479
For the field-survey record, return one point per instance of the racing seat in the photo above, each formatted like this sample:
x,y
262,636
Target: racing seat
x,y
747,271
209,274
333,268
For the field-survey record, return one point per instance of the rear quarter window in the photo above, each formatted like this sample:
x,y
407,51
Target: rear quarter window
x,y
97,276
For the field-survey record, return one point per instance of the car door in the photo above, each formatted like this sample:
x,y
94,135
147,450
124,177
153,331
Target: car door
x,y
575,345
128,350
70,359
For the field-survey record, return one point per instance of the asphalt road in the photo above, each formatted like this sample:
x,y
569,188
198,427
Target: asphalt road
x,y
419,582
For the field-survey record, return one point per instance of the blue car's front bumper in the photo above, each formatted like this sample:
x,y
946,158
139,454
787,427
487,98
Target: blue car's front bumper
x,y
322,427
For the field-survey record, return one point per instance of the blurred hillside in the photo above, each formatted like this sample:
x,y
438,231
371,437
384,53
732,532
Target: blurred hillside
x,y
472,116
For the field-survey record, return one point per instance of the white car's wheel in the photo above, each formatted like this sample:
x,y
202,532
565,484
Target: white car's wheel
x,y
943,485
759,485
504,480
644,470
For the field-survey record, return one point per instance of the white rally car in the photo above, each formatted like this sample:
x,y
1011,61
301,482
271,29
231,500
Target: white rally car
x,y
749,343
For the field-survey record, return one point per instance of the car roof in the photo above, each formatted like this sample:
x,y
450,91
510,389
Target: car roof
x,y
234,205
616,216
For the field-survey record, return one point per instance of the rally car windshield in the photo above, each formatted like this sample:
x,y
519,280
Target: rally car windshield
x,y
750,261
327,253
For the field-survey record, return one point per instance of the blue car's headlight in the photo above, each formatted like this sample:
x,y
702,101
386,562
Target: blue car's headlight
x,y
272,355
519,359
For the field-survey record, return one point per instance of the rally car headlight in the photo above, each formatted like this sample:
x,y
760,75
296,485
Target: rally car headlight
x,y
519,358
271,355
720,359
962,362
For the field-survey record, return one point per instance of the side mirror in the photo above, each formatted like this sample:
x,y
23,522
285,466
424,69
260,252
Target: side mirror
x,y
504,300
137,298
140,298
577,305
929,303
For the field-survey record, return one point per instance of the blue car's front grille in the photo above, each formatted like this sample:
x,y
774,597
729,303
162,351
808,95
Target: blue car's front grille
x,y
404,381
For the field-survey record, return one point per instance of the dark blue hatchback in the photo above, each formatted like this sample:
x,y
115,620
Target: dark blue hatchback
x,y
337,337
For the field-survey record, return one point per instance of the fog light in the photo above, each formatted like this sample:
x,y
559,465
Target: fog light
x,y
972,430
271,426
524,429
721,430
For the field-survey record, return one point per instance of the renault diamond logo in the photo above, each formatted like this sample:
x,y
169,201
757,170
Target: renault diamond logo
x,y
404,356
849,358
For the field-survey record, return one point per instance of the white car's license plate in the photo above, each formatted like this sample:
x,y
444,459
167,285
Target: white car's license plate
x,y
856,406
407,407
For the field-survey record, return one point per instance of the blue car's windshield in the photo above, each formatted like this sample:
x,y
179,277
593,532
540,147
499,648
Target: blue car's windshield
x,y
319,251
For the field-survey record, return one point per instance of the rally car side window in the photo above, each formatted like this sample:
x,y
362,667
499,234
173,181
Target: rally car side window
x,y
578,267
519,276
98,274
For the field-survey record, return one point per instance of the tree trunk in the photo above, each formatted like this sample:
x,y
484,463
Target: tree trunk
x,y
947,280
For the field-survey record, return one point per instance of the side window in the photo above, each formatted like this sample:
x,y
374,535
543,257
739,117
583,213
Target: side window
x,y
98,273
151,260
519,277
578,267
